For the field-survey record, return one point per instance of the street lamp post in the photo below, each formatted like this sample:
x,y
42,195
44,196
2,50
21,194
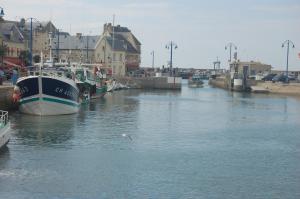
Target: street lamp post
x,y
230,45
152,53
1,12
31,38
288,42
170,46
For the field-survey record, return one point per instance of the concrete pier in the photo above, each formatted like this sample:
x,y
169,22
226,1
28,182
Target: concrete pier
x,y
170,83
260,86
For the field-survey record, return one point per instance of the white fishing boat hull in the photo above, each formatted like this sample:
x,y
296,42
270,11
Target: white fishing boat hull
x,y
47,106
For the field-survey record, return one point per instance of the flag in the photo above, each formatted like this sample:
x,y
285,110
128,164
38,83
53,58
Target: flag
x,y
299,55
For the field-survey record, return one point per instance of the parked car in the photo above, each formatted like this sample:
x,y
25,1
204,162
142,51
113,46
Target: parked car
x,y
279,78
268,77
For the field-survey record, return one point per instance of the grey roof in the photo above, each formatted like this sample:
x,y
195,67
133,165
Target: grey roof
x,y
121,43
10,32
67,42
137,42
119,28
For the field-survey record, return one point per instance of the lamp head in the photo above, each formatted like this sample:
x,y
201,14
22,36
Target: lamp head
x,y
176,47
293,46
282,45
1,12
225,47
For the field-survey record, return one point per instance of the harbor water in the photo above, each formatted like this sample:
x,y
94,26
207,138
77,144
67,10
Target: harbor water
x,y
194,143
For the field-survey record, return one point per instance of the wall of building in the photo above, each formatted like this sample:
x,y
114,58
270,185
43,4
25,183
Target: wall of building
x,y
13,49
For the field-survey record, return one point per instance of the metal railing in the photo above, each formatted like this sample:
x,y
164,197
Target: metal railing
x,y
3,118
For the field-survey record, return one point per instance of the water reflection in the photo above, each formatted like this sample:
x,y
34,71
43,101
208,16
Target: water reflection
x,y
4,159
47,130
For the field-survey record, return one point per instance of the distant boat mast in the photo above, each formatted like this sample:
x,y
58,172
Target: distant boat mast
x,y
113,45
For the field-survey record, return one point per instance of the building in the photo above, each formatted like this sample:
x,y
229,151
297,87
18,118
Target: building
x,y
40,36
13,42
250,68
118,49
77,48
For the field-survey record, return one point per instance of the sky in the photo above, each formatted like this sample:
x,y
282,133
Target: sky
x,y
200,28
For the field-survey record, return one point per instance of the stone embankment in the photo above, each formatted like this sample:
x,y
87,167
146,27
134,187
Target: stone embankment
x,y
220,82
281,88
270,87
151,82
6,102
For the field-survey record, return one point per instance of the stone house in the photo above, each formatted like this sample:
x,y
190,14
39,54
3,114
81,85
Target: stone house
x,y
118,49
13,41
77,48
251,68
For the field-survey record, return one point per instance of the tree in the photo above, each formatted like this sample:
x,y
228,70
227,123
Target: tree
x,y
37,59
24,56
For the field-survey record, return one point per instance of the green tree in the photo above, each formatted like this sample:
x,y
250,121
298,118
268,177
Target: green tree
x,y
24,56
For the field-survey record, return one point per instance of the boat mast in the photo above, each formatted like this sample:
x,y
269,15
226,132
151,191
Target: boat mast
x,y
50,47
113,45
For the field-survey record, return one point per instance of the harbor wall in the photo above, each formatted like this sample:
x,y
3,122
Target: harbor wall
x,y
281,88
276,88
6,102
220,82
151,82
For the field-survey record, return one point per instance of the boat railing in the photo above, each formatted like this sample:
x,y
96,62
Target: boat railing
x,y
3,118
50,71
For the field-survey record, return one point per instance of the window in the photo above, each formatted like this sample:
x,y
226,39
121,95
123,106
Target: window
x,y
114,56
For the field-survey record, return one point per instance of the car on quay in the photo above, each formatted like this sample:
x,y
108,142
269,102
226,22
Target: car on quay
x,y
269,77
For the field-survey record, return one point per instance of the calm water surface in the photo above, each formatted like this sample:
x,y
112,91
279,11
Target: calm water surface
x,y
195,143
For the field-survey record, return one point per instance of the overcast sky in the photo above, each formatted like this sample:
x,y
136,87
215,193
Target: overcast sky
x,y
200,28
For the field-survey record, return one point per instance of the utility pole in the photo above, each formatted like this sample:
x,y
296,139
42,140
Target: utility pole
x,y
152,53
288,42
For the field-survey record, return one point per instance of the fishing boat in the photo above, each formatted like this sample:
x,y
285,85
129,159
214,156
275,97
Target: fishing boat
x,y
90,82
195,81
49,91
4,128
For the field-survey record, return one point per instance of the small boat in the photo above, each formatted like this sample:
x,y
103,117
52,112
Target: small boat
x,y
4,128
195,81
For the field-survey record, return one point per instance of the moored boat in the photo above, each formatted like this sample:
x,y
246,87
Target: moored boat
x,y
195,81
90,82
48,92
4,128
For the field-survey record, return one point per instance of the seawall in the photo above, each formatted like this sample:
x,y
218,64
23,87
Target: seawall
x,y
6,102
171,83
281,88
276,88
